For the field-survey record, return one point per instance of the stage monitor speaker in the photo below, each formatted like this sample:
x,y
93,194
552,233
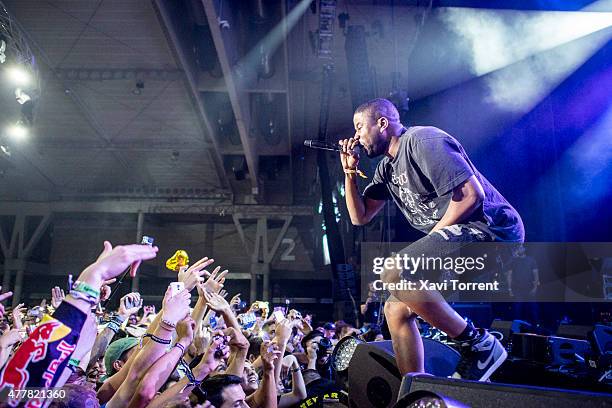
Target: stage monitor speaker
x,y
485,395
601,339
509,327
374,378
574,331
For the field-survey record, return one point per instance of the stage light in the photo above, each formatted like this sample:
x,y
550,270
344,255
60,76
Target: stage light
x,y
341,358
523,55
2,51
18,75
427,399
17,131
5,150
21,96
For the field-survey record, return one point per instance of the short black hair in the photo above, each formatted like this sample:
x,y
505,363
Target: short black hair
x,y
212,387
310,336
378,108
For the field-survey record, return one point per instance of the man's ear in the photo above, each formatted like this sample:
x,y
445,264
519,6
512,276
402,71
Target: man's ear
x,y
117,364
383,123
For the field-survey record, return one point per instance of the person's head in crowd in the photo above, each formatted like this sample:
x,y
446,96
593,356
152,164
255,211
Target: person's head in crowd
x,y
224,391
268,330
133,319
254,347
97,371
329,330
323,345
77,395
250,379
118,353
373,334
346,330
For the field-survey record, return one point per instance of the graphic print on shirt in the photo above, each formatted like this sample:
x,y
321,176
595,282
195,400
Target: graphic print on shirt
x,y
421,210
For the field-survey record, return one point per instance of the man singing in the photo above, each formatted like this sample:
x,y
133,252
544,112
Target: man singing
x,y
430,178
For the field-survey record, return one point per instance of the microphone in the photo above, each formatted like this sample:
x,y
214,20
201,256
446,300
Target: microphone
x,y
316,144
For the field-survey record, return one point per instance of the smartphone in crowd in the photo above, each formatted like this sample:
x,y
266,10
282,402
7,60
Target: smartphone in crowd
x,y
176,287
278,315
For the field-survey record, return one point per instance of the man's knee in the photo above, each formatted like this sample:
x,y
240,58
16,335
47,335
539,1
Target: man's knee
x,y
396,311
390,275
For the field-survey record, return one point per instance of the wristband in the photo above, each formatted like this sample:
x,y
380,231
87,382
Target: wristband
x,y
155,339
295,370
83,296
86,289
179,345
167,323
113,326
356,171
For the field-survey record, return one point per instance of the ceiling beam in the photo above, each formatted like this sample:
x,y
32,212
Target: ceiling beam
x,y
226,47
153,207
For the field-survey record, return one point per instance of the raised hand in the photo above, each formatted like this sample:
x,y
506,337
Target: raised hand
x,y
215,281
212,359
105,290
148,310
175,307
236,339
129,304
269,354
17,310
283,331
216,302
57,296
192,276
235,301
9,338
113,261
3,297
185,329
348,156
223,293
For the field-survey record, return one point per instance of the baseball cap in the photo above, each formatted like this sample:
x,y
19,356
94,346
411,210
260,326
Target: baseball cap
x,y
329,326
115,350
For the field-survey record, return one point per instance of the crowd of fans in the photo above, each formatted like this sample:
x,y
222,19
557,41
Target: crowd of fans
x,y
217,352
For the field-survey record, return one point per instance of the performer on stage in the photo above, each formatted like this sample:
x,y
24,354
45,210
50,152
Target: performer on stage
x,y
430,178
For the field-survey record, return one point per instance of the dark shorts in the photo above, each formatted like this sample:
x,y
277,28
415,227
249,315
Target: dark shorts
x,y
445,242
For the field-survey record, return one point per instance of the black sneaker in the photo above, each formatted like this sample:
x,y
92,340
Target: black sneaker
x,y
480,357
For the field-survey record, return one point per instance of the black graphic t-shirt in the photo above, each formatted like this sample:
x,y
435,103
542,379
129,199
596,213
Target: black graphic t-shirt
x,y
420,179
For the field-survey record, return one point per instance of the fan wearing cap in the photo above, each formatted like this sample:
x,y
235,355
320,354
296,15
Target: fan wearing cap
x,y
117,353
329,331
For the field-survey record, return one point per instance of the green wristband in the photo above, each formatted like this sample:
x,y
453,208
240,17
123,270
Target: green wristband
x,y
86,289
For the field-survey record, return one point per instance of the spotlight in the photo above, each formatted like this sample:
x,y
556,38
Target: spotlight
x,y
341,358
2,51
18,75
427,399
17,131
21,96
5,150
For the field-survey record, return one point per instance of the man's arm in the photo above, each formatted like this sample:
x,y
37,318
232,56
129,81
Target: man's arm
x,y
160,371
361,209
181,390
266,395
103,339
467,197
174,308
298,391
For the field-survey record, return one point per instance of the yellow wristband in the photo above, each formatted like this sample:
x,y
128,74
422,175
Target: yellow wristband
x,y
355,171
